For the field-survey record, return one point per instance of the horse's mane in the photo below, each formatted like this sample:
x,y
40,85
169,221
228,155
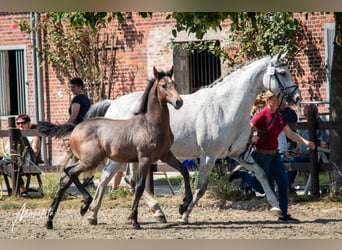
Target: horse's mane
x,y
144,98
241,65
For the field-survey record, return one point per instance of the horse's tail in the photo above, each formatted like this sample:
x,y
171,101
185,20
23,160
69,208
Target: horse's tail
x,y
54,130
98,109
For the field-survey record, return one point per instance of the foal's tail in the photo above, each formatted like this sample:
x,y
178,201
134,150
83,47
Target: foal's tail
x,y
54,130
98,109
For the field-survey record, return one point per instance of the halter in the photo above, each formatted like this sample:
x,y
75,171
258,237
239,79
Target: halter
x,y
271,71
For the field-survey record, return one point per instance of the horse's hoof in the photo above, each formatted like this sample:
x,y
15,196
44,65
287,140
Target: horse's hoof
x,y
49,225
181,221
160,218
136,225
92,221
276,211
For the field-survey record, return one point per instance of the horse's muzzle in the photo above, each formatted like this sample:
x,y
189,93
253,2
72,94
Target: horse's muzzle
x,y
179,104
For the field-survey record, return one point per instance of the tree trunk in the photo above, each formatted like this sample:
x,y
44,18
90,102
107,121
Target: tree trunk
x,y
336,108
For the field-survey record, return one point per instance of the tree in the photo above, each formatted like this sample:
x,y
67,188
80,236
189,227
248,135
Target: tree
x,y
255,33
77,44
336,107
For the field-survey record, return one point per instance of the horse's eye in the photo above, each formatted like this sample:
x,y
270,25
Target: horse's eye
x,y
164,86
282,72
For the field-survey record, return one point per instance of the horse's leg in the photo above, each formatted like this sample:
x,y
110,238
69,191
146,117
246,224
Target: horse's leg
x,y
73,172
144,166
64,184
171,160
206,165
262,178
131,174
130,177
107,174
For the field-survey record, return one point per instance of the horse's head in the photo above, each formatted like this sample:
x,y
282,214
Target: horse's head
x,y
167,88
279,80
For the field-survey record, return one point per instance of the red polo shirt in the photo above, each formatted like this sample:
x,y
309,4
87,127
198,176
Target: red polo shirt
x,y
269,139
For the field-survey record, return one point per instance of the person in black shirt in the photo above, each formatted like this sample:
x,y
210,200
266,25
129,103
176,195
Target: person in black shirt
x,y
80,104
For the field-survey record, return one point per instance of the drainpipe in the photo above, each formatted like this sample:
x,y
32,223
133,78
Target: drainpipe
x,y
34,62
40,85
37,77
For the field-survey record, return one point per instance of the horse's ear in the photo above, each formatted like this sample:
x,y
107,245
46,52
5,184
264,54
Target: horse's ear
x,y
283,56
170,73
156,73
279,56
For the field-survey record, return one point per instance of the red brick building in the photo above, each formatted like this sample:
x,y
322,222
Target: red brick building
x,y
26,89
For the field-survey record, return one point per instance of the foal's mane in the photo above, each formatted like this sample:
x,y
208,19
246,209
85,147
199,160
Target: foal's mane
x,y
144,98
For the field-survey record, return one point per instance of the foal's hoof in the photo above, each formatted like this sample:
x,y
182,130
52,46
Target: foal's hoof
x,y
85,207
92,221
182,209
49,225
276,211
136,225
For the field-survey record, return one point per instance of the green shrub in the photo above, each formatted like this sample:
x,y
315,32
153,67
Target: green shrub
x,y
218,187
50,185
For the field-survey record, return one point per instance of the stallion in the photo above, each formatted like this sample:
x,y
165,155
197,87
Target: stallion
x,y
213,123
144,138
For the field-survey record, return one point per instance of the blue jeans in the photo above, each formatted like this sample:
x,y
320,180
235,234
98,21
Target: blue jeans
x,y
273,167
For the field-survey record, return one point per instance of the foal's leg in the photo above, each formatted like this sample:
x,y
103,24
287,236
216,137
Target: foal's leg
x,y
131,175
144,166
107,174
73,172
206,165
64,184
171,160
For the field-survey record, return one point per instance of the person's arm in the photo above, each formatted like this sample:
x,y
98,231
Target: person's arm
x,y
297,138
36,145
254,136
75,110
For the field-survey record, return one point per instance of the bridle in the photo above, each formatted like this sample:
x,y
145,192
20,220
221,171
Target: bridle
x,y
271,71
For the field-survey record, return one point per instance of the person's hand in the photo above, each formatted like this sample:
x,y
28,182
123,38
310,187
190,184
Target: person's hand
x,y
254,138
310,144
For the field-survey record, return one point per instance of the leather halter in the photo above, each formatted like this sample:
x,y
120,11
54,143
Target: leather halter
x,y
283,90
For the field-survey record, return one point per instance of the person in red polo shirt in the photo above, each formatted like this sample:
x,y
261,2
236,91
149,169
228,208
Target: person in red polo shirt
x,y
266,154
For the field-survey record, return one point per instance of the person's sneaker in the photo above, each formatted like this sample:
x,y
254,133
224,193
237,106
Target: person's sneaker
x,y
287,219
234,174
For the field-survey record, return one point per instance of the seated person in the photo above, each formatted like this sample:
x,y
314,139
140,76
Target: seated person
x,y
33,154
302,153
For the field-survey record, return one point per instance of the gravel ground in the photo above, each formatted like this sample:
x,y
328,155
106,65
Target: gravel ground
x,y
237,220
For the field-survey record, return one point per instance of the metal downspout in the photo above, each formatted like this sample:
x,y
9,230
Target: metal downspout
x,y
40,85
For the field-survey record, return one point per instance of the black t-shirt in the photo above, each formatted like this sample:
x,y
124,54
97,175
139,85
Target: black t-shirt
x,y
84,102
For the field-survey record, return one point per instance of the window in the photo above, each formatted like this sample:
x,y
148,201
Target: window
x,y
204,68
195,71
13,91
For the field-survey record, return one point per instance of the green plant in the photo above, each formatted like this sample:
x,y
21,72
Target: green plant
x,y
220,188
50,185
